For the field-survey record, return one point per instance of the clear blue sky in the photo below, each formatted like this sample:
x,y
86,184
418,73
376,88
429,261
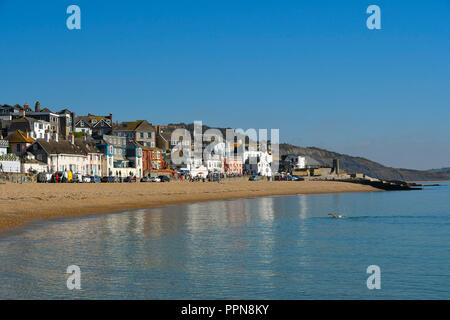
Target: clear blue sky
x,y
310,68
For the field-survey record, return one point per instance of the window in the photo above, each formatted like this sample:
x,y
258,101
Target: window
x,y
141,135
18,147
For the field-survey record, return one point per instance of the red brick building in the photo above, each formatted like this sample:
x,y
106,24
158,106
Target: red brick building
x,y
151,159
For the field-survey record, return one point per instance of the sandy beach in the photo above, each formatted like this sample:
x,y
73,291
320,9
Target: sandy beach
x,y
23,203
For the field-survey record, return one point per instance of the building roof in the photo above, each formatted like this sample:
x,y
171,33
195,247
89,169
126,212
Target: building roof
x,y
60,147
64,111
19,137
133,126
145,147
27,120
87,120
87,145
98,118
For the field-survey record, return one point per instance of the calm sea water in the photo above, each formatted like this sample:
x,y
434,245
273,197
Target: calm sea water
x,y
262,248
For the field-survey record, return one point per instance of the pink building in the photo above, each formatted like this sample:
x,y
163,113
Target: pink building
x,y
19,142
232,166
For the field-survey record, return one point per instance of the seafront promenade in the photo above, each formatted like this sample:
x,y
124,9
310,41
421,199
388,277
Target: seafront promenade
x,y
23,203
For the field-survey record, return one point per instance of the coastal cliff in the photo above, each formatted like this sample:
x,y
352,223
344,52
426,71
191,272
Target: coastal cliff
x,y
361,165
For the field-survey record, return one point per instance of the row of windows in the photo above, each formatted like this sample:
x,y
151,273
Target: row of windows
x,y
142,135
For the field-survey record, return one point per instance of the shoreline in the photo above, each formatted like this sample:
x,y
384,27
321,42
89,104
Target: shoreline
x,y
24,203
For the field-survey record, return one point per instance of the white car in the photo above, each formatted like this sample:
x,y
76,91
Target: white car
x,y
77,177
155,179
86,179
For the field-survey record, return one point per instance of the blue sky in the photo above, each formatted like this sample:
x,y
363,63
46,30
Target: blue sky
x,y
310,68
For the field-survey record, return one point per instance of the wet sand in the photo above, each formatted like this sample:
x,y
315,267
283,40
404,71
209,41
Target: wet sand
x,y
23,203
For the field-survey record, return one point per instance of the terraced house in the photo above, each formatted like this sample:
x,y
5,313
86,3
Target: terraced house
x,y
122,157
67,155
140,131
94,161
94,125
152,159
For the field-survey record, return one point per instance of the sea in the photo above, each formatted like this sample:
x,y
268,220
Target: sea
x,y
387,245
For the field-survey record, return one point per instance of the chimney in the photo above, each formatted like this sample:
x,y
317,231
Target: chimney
x,y
37,106
26,106
72,138
110,117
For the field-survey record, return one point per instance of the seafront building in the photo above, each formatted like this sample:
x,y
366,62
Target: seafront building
x,y
95,145
123,158
152,159
232,166
257,162
8,162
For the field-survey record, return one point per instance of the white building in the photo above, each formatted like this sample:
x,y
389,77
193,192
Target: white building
x,y
3,147
35,128
66,155
298,162
8,162
257,162
94,157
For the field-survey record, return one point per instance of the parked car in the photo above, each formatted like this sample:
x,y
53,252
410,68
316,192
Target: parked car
x,y
164,178
253,178
86,179
44,177
77,177
146,179
95,179
58,176
110,179
297,178
278,178
129,179
155,179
